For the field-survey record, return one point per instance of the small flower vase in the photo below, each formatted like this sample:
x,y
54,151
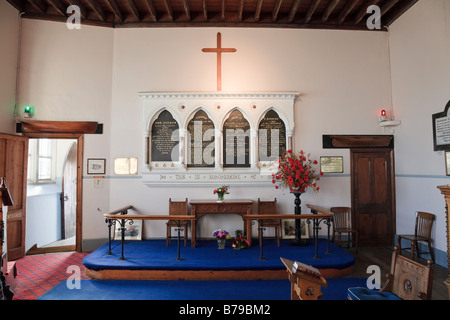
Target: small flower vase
x,y
221,197
221,243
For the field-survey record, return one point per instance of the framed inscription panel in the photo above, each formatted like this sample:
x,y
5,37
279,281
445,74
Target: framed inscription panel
x,y
271,137
236,141
200,141
165,138
332,164
191,136
441,129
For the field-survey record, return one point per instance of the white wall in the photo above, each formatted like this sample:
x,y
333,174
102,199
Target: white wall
x,y
66,76
96,74
419,51
341,75
9,39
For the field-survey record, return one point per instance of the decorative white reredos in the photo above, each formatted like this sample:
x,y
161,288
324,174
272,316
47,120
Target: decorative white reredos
x,y
218,106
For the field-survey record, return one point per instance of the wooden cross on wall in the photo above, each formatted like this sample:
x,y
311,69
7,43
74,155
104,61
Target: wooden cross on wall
x,y
219,51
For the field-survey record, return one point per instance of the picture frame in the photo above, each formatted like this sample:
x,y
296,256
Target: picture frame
x,y
447,162
133,230
96,166
288,229
332,164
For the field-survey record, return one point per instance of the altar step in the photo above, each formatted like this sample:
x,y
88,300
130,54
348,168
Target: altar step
x,y
152,260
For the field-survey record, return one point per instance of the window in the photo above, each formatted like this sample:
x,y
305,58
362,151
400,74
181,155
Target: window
x,y
41,161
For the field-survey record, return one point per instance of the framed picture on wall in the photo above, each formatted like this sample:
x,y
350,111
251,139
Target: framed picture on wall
x,y
133,231
96,166
288,229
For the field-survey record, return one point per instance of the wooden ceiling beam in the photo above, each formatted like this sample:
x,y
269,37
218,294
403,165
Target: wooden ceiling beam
x,y
151,9
276,10
389,4
134,10
258,9
38,5
311,10
81,6
58,7
329,10
97,9
115,8
187,10
240,10
168,9
205,10
347,9
222,5
294,10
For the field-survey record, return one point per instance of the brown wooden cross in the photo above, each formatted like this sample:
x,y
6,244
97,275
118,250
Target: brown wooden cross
x,y
219,51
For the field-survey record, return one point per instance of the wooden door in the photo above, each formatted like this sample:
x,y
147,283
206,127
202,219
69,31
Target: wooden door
x,y
373,203
13,166
69,192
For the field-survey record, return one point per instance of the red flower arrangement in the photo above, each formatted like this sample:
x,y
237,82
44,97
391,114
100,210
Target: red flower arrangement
x,y
296,172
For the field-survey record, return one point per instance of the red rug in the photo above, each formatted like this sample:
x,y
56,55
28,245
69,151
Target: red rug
x,y
37,274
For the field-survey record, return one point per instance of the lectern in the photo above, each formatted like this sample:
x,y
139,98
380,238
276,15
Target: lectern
x,y
5,201
306,281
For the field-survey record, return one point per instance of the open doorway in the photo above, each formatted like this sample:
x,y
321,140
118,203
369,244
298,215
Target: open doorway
x,y
51,195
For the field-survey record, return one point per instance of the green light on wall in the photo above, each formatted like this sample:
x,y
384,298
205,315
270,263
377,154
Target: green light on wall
x,y
28,112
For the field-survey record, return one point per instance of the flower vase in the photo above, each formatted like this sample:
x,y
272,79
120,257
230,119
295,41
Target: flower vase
x,y
221,243
221,197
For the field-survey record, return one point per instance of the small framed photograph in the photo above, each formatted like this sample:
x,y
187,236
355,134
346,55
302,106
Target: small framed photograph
x,y
288,229
447,163
133,231
96,166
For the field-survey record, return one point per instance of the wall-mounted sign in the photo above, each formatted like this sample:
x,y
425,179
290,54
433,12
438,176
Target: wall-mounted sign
x,y
332,164
441,129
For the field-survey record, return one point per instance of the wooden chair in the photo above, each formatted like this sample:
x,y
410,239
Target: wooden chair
x,y
422,232
407,280
177,208
270,207
342,223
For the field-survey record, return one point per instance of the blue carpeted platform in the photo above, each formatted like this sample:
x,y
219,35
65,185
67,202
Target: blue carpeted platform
x,y
154,255
193,290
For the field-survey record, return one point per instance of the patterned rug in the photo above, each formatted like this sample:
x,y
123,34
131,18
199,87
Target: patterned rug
x,y
37,274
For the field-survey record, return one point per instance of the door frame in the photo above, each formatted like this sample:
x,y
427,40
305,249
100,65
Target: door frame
x,y
79,209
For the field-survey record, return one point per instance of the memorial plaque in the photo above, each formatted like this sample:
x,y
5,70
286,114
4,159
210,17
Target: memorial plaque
x,y
271,137
165,138
441,129
200,141
236,141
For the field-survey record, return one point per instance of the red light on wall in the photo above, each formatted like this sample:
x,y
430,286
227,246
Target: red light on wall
x,y
383,116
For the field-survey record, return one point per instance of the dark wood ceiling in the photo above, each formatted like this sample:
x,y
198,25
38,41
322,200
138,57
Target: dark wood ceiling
x,y
312,14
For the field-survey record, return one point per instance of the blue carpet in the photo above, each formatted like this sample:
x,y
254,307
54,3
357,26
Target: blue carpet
x,y
193,290
154,255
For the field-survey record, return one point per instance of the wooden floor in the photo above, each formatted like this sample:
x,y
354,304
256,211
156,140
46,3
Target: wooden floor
x,y
382,257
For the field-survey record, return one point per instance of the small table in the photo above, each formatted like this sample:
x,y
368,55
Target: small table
x,y
199,208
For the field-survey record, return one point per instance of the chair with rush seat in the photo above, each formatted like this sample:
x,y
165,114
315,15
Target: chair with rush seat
x,y
177,208
270,207
342,223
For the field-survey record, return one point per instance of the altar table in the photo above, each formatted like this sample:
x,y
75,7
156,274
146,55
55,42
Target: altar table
x,y
199,208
